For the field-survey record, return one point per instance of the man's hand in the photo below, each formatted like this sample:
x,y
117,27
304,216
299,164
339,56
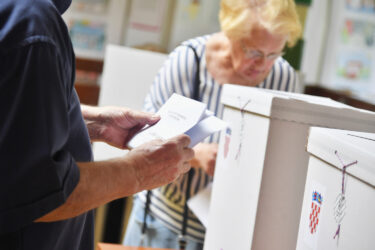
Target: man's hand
x,y
148,166
160,162
115,125
205,157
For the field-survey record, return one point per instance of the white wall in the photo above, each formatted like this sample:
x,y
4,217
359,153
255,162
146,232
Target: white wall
x,y
315,36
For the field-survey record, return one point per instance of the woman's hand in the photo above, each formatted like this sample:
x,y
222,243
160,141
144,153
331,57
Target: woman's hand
x,y
205,157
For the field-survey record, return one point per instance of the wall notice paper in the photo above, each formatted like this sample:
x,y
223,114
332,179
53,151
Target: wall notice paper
x,y
180,115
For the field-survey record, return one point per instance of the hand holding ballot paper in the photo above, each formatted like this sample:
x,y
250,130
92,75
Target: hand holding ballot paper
x,y
180,115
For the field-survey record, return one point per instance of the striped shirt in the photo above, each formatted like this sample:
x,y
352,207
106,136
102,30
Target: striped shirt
x,y
176,76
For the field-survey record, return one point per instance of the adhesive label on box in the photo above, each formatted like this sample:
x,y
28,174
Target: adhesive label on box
x,y
312,218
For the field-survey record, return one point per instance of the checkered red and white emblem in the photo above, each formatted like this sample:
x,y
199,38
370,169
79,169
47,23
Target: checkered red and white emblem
x,y
228,133
315,210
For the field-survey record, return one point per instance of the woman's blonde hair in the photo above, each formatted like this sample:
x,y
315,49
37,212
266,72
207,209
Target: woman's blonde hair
x,y
238,17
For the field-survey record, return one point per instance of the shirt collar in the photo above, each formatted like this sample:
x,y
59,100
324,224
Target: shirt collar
x,y
62,5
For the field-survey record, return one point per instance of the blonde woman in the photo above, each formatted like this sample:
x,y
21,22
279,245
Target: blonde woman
x,y
247,52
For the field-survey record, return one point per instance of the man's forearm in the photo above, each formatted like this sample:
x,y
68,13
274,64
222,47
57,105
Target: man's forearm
x,y
90,116
100,182
148,166
88,112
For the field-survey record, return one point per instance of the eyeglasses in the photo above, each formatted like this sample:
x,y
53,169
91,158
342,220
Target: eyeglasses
x,y
256,54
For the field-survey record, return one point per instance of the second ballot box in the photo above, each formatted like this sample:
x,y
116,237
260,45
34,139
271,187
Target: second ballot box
x,y
262,163
339,201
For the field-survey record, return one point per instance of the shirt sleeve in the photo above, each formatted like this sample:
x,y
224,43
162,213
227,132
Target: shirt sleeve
x,y
37,173
175,76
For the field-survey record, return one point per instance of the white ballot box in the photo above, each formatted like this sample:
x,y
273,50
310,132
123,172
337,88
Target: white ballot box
x,y
339,201
262,163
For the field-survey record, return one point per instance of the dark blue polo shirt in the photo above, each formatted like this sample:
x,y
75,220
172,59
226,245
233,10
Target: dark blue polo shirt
x,y
42,133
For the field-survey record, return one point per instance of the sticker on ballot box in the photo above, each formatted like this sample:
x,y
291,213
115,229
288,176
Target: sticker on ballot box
x,y
228,133
317,194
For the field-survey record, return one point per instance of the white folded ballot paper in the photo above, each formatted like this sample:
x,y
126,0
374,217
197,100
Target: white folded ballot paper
x,y
180,115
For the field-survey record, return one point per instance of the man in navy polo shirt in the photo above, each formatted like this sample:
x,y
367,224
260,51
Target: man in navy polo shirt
x,y
48,182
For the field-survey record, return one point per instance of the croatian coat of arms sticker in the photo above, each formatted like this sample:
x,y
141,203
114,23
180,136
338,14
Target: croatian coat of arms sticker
x,y
316,203
313,213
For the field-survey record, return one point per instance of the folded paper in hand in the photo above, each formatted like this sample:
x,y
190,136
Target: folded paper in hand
x,y
180,115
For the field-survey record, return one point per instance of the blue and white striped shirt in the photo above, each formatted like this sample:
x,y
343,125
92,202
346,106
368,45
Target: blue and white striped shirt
x,y
176,76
